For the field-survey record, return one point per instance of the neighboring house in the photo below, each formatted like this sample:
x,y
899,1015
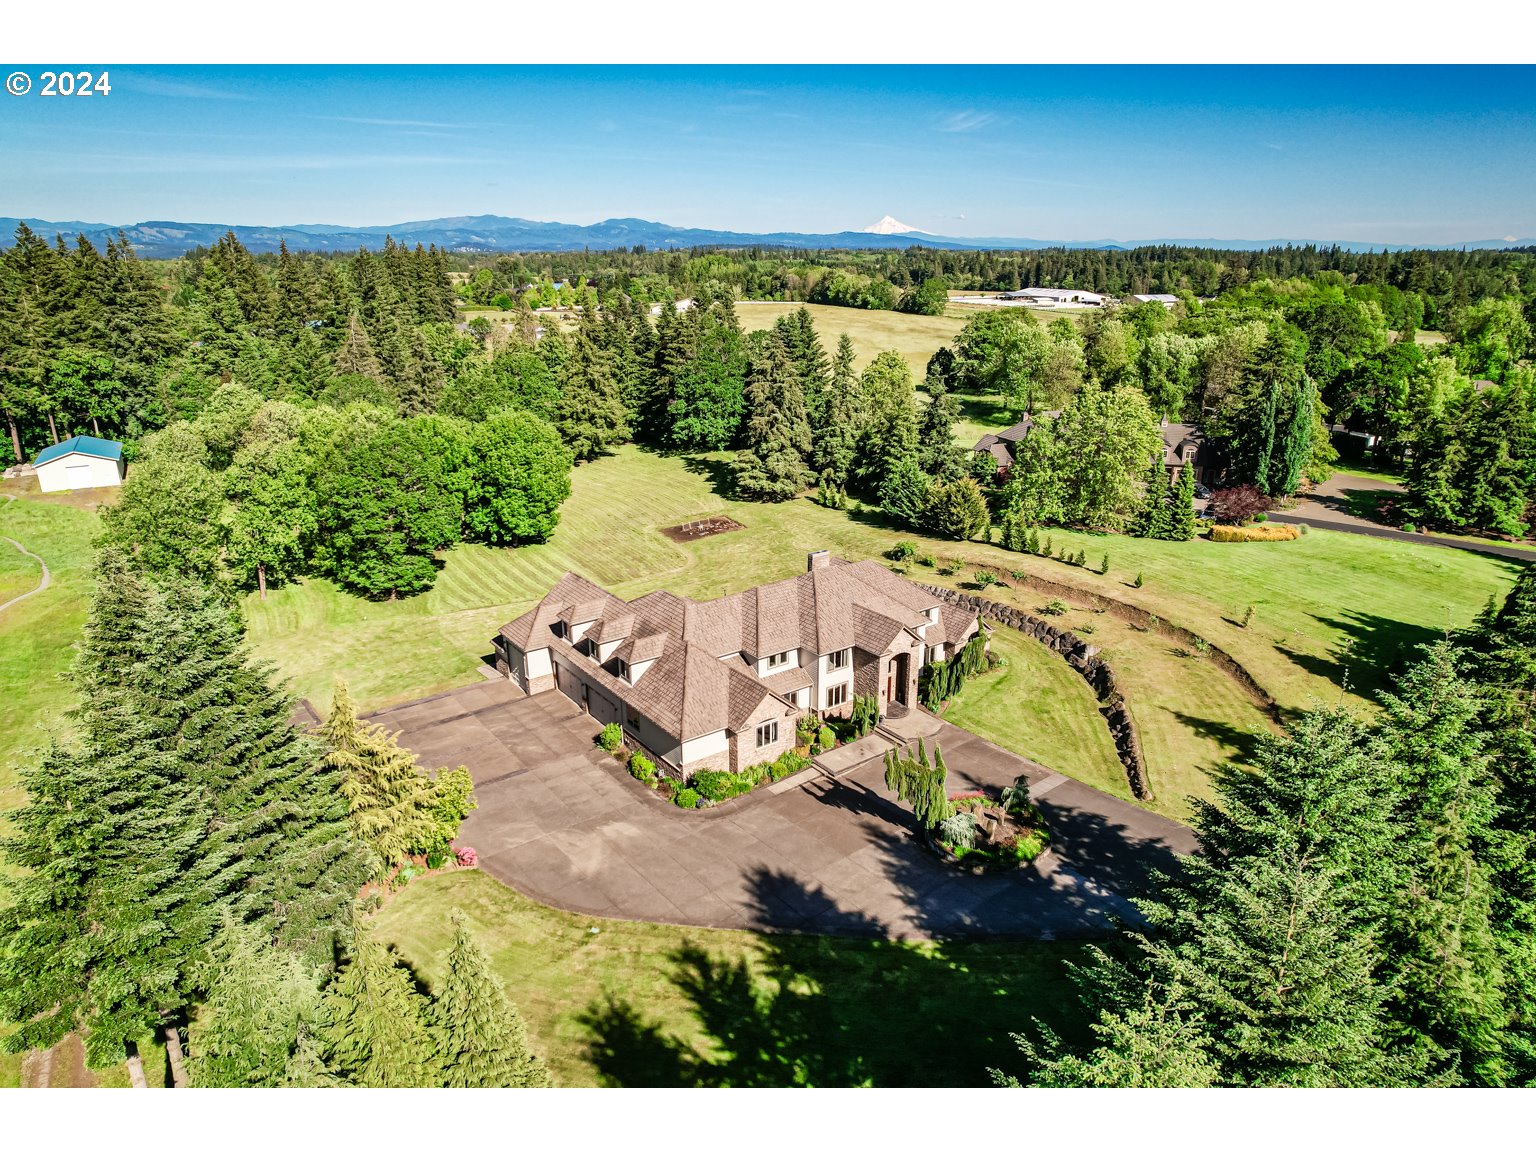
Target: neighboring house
x,y
1056,297
1183,446
721,683
1165,299
80,462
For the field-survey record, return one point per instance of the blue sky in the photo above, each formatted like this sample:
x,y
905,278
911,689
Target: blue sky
x,y
1385,154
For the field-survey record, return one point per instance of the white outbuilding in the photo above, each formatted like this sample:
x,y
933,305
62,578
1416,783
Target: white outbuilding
x,y
80,462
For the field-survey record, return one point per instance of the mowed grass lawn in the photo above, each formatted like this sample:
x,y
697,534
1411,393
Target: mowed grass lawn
x,y
1325,605
638,1004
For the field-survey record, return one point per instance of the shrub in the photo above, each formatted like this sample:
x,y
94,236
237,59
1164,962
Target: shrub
x,y
1261,517
717,786
1234,533
1104,565
1139,580
686,798
959,831
1081,559
1238,505
1410,526
864,715
927,561
468,857
611,738
641,768
1054,608
1248,616
1019,577
1015,797
437,857
948,568
984,578
826,739
902,551
787,765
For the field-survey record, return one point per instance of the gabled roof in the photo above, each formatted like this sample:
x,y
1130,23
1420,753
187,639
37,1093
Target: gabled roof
x,y
84,446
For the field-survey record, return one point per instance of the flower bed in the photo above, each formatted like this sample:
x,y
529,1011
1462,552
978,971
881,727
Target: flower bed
x,y
708,787
987,834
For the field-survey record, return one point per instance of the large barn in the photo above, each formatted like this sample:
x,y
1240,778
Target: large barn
x,y
80,462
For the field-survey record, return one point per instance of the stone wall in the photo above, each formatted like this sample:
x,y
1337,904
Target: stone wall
x,y
1084,658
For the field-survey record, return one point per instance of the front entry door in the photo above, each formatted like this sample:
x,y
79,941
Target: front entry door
x,y
899,667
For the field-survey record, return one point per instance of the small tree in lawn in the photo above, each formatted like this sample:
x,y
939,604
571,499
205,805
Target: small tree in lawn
x,y
1154,521
1238,505
481,1041
1181,512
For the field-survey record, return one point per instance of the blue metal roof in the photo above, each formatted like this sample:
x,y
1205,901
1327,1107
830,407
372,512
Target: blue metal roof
x,y
85,445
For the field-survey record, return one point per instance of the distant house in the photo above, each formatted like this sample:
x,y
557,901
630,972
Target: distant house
x,y
1055,297
721,684
1183,446
680,306
80,462
1165,299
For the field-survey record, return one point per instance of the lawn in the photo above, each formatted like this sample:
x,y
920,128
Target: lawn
x,y
633,1004
872,332
1058,727
1324,604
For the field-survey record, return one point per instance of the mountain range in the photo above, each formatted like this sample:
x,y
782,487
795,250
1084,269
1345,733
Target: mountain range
x,y
169,238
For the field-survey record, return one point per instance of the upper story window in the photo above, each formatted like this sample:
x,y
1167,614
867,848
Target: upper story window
x,y
559,628
837,660
586,647
779,659
623,668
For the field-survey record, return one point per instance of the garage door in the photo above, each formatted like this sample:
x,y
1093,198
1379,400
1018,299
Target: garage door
x,y
602,709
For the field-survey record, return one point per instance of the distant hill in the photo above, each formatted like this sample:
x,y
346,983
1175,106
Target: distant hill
x,y
167,238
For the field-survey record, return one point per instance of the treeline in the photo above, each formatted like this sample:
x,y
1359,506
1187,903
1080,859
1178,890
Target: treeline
x,y
189,861
1362,911
1439,280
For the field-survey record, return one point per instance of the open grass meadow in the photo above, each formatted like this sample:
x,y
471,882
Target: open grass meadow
x,y
610,1002
872,332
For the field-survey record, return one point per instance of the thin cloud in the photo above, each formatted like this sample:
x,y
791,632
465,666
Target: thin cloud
x,y
383,123
969,120
151,86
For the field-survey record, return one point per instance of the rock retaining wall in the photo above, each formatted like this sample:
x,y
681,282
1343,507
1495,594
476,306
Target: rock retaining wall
x,y
1085,660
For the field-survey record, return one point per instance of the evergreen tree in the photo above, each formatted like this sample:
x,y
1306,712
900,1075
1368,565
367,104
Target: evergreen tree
x,y
392,802
590,410
771,466
888,431
1155,519
481,1041
1181,512
937,451
905,494
247,1028
707,385
355,356
837,433
373,1027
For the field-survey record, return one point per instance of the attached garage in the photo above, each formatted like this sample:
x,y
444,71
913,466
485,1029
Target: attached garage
x,y
80,462
594,701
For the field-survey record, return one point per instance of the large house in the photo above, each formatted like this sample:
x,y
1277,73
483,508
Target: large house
x,y
721,683
1183,446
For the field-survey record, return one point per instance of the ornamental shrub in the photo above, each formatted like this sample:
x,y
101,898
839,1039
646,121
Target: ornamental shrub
x,y
826,738
640,767
787,764
468,857
716,785
1233,533
686,798
959,831
1054,608
611,737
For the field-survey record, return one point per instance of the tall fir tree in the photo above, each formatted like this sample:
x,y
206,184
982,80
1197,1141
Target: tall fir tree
x,y
1181,511
772,466
836,436
590,412
481,1040
374,1030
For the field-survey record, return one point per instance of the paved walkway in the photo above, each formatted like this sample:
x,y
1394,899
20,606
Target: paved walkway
x,y
565,824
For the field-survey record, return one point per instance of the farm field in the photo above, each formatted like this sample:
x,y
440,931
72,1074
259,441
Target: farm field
x,y
652,1005
872,332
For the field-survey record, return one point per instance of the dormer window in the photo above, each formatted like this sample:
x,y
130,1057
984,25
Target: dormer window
x,y
558,627
779,659
586,648
622,668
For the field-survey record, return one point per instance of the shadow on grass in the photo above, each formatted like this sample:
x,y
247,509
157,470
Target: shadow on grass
x,y
721,477
1240,743
812,1010
1374,651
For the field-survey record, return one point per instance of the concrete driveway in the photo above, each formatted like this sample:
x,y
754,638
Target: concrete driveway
x,y
565,824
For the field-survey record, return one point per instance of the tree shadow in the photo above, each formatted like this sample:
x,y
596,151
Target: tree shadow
x,y
814,1010
1375,649
1241,744
719,473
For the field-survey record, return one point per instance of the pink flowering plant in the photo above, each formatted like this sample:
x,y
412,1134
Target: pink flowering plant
x,y
467,856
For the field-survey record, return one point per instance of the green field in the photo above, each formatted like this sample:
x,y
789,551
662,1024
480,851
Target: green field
x,y
872,331
654,1005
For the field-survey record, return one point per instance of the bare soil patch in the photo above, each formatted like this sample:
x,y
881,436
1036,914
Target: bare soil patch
x,y
699,529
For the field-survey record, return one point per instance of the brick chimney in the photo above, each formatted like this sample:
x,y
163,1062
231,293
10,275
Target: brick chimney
x,y
815,560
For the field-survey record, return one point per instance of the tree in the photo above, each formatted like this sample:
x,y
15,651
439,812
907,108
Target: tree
x,y
1266,424
1181,511
590,411
396,809
258,1002
1094,457
957,509
355,355
520,474
481,1041
169,518
389,502
905,494
889,431
778,436
937,451
374,1028
273,516
929,298
706,366
836,436
1155,519
1238,505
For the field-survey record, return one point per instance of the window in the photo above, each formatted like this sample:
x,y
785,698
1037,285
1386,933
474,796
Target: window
x,y
837,660
837,695
622,668
559,628
778,659
767,733
630,722
935,653
586,647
